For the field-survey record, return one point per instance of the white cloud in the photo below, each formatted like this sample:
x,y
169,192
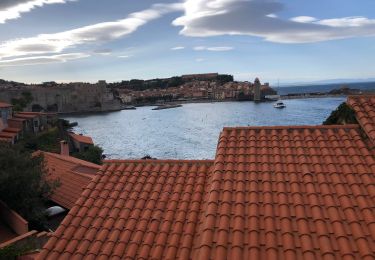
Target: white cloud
x,y
199,59
124,56
96,33
303,19
12,9
177,48
218,48
348,22
203,18
42,59
272,15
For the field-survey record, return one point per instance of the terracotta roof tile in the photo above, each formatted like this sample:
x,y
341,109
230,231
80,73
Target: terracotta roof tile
x,y
12,130
364,107
25,116
290,198
154,213
73,176
5,134
81,138
4,105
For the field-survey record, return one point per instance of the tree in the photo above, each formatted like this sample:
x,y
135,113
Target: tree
x,y
341,116
93,154
21,103
23,184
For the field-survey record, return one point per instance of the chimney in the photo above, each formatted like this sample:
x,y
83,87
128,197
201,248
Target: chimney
x,y
64,148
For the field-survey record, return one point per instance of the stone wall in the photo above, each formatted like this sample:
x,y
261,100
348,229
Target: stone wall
x,y
66,98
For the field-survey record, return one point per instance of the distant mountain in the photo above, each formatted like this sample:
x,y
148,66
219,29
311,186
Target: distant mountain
x,y
327,81
324,87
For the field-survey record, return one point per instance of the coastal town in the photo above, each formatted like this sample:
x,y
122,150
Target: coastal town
x,y
102,96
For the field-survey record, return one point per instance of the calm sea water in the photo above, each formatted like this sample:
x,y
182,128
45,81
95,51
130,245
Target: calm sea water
x,y
191,131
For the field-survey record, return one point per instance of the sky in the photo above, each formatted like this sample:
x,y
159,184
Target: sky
x,y
275,40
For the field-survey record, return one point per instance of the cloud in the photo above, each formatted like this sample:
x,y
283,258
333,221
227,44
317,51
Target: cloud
x,y
96,33
124,56
104,52
259,18
177,48
218,48
36,60
348,22
12,9
303,19
199,60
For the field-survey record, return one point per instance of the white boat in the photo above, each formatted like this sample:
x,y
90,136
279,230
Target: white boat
x,y
279,104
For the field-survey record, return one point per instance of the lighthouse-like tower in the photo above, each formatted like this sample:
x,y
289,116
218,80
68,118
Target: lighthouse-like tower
x,y
257,90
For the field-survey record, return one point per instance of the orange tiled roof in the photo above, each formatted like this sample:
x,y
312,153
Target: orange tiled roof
x,y
16,119
7,134
73,175
272,193
25,116
135,209
4,105
364,107
291,192
81,138
12,130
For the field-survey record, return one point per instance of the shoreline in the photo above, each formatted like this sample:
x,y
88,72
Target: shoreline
x,y
283,97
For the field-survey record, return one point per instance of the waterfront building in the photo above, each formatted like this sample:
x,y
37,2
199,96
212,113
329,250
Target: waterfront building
x,y
257,86
80,143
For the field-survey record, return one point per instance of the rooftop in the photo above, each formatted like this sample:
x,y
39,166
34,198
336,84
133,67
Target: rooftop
x,y
5,105
130,209
81,138
284,192
73,175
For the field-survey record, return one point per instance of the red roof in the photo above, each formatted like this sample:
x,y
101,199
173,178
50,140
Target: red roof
x,y
135,209
81,138
291,192
8,135
4,105
73,176
16,119
12,130
25,116
364,107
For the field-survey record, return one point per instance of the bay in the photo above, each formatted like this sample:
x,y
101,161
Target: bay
x,y
191,131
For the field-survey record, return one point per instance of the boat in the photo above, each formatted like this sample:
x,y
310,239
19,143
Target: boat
x,y
161,107
129,108
279,104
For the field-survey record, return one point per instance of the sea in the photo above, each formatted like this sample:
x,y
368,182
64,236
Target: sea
x,y
191,131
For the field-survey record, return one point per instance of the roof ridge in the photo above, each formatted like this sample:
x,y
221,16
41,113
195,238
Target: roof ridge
x,y
350,126
356,96
158,161
74,160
